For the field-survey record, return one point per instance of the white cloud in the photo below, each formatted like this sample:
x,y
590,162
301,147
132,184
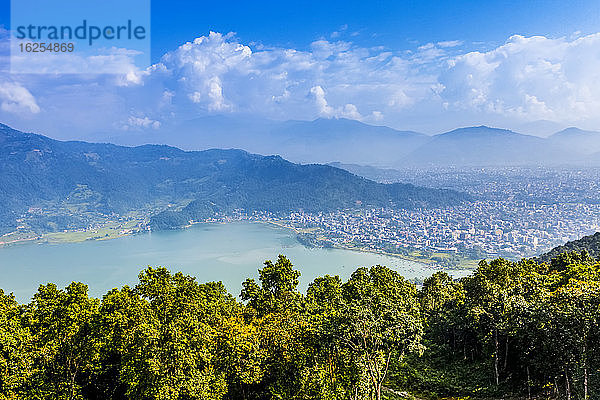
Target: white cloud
x,y
339,32
15,98
216,73
325,110
215,94
450,43
377,115
105,61
321,101
529,78
137,123
431,87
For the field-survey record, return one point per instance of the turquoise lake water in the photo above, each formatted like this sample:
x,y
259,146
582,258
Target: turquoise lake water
x,y
227,252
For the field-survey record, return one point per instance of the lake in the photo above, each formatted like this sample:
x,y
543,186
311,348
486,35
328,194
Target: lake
x,y
211,252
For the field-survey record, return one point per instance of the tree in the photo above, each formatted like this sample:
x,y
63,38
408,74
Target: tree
x,y
276,308
383,320
238,353
124,328
493,293
16,363
277,290
568,344
174,355
332,374
563,260
62,325
441,301
172,338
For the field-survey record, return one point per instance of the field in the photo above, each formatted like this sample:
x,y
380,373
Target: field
x,y
110,230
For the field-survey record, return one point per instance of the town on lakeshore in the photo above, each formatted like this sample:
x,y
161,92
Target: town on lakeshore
x,y
506,219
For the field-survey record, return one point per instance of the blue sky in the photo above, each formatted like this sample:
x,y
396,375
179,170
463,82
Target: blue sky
x,y
395,24
429,66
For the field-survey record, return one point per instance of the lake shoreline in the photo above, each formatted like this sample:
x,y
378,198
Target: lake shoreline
x,y
55,239
227,252
425,261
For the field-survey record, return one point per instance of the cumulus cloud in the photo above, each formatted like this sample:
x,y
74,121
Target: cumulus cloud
x,y
529,78
430,87
216,73
15,98
325,110
140,122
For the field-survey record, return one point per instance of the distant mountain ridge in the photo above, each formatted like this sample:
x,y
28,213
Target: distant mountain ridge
x,y
577,140
38,171
485,146
318,141
326,140
353,142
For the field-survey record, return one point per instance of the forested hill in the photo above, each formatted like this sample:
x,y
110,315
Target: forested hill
x,y
38,171
589,244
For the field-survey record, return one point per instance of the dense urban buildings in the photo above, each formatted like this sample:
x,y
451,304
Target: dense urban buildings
x,y
509,218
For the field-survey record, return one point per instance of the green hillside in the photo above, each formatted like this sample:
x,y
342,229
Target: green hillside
x,y
80,179
589,244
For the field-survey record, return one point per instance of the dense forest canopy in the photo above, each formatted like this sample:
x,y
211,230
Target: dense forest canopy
x,y
522,329
589,244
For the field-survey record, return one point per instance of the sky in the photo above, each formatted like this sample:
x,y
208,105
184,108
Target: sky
x,y
428,66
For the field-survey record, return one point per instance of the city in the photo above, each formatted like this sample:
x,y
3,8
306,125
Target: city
x,y
505,219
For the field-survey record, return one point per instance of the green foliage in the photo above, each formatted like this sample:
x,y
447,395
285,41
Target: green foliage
x,y
174,357
563,260
509,330
16,349
588,244
381,322
61,324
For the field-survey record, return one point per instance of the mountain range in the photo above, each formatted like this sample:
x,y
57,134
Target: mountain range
x,y
578,141
318,141
81,177
482,146
353,142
